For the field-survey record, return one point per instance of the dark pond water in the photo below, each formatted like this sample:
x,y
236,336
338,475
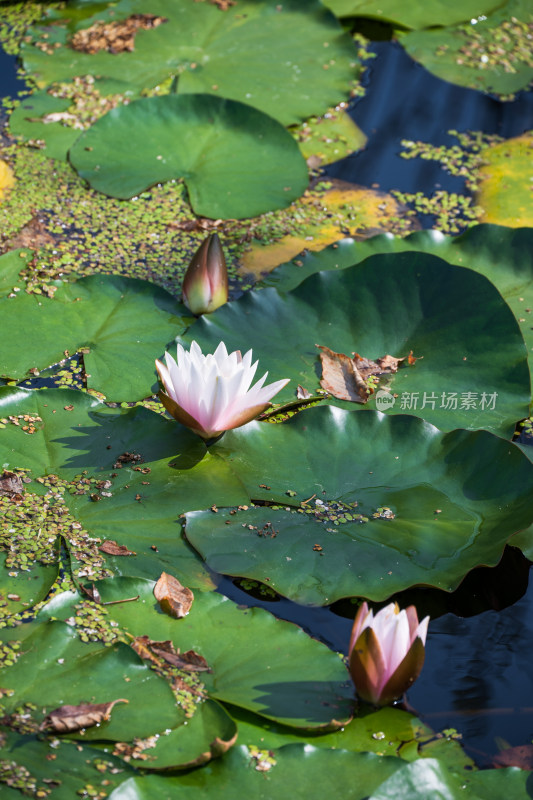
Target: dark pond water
x,y
477,677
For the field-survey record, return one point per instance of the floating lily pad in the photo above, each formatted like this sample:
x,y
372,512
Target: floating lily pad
x,y
258,662
122,325
163,465
241,53
387,732
292,771
11,264
236,161
506,179
76,673
437,505
426,779
37,118
68,768
415,14
329,138
494,55
504,256
391,304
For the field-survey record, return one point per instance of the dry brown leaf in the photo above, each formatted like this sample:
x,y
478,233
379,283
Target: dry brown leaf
x,y
302,394
346,378
340,376
173,598
110,547
189,661
115,37
11,485
141,645
66,719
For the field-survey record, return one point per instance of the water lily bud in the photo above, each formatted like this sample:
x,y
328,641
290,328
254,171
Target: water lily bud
x,y
386,652
211,394
205,285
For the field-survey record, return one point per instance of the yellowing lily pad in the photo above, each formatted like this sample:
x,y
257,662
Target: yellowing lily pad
x,y
355,211
506,188
7,179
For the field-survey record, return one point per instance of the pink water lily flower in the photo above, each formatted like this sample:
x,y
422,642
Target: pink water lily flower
x,y
386,652
211,394
205,285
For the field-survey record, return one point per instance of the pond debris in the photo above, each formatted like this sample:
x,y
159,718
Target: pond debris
x,y
263,760
18,777
173,598
155,651
110,547
127,750
353,379
114,37
67,719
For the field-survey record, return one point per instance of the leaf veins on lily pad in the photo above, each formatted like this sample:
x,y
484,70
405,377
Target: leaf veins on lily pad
x,y
173,598
348,378
67,719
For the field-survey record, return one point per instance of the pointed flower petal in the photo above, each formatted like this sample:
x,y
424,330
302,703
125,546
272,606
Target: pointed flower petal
x,y
386,652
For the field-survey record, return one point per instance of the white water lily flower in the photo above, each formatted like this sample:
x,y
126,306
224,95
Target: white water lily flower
x,y
211,394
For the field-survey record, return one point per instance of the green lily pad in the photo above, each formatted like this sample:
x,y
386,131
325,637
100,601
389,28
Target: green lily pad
x,y
494,55
169,470
391,304
503,255
67,768
415,14
427,779
292,771
75,673
258,662
236,161
386,732
34,119
240,53
22,589
437,505
121,324
11,264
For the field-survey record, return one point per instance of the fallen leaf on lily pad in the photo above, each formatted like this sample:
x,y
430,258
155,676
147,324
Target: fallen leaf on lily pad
x,y
11,485
189,661
173,598
67,719
113,549
348,378
156,651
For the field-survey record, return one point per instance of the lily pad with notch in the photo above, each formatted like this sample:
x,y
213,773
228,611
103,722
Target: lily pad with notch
x,y
364,505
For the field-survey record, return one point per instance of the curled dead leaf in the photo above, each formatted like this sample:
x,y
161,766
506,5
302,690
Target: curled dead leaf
x,y
66,719
110,547
11,486
302,394
351,378
157,652
173,598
